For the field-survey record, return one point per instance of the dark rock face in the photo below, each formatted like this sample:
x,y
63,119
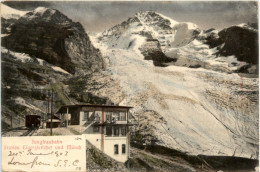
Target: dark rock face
x,y
159,58
5,23
239,41
51,36
152,51
212,38
36,40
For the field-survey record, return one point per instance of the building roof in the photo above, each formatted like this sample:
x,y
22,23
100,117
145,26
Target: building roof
x,y
64,108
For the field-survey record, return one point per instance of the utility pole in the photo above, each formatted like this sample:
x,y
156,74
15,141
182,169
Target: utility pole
x,y
47,107
49,96
51,108
67,117
45,115
11,120
8,52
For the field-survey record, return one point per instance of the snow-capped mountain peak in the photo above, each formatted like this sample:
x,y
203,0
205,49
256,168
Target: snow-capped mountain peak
x,y
246,26
154,18
149,25
11,13
40,11
42,14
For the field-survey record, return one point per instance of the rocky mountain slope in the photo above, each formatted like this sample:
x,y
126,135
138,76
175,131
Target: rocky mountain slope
x,y
8,17
59,39
240,41
44,50
207,108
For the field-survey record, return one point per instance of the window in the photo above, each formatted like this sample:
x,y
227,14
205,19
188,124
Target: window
x,y
123,131
122,116
123,148
108,116
86,116
97,115
116,131
108,131
116,149
116,116
96,129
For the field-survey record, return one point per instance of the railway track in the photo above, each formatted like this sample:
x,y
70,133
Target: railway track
x,y
30,132
22,131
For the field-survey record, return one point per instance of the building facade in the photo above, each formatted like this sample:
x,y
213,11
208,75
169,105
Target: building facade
x,y
105,127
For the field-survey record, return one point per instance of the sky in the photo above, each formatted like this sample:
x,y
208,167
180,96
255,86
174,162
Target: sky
x,y
98,16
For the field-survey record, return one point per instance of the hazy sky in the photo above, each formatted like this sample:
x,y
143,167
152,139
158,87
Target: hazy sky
x,y
98,16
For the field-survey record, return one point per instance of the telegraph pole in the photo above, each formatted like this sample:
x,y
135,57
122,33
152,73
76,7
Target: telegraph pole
x,y
47,107
11,120
51,108
9,57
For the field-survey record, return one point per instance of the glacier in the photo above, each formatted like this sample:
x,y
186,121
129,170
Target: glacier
x,y
195,110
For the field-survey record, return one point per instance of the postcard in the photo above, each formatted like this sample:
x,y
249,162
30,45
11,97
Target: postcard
x,y
129,86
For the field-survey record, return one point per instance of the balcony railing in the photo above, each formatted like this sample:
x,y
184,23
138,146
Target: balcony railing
x,y
97,120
